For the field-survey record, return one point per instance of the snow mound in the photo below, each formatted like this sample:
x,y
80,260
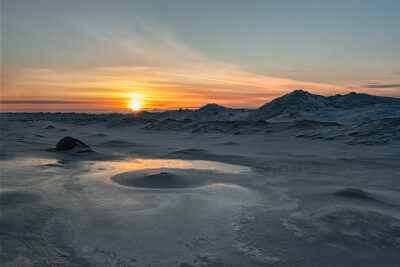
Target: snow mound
x,y
163,179
50,127
353,193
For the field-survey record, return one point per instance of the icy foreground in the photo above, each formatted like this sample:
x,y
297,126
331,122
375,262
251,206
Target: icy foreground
x,y
315,185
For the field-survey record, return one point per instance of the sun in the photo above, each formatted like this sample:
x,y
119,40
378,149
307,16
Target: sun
x,y
135,105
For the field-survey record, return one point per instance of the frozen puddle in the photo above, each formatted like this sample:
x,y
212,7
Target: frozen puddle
x,y
156,185
168,173
158,210
167,181
142,212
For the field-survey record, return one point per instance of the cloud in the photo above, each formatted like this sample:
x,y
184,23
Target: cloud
x,y
151,61
40,102
180,87
379,85
141,44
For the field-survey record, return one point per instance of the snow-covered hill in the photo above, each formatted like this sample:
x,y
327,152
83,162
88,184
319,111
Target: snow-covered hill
x,y
289,104
346,109
214,112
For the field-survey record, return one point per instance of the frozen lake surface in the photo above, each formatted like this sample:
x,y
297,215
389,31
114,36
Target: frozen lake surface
x,y
175,198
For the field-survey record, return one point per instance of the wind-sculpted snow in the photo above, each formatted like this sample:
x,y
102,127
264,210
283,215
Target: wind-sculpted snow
x,y
29,233
374,132
160,191
12,198
370,132
232,127
373,228
237,127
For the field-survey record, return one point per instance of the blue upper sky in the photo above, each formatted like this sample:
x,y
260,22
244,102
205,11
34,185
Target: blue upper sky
x,y
349,43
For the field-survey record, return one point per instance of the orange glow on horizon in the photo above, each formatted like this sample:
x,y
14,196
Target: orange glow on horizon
x,y
129,89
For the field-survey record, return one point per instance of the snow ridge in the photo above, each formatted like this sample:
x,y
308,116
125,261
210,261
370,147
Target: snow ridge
x,y
346,109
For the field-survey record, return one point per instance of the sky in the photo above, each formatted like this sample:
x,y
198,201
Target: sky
x,y
103,55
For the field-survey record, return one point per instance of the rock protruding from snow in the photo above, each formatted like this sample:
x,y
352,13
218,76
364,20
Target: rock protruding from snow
x,y
68,143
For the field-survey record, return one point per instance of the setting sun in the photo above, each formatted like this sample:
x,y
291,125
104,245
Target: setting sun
x,y
135,105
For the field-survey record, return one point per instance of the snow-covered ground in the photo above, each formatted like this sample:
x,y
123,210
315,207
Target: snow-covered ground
x,y
178,189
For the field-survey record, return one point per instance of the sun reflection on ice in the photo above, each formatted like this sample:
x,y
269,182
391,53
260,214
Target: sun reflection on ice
x,y
141,164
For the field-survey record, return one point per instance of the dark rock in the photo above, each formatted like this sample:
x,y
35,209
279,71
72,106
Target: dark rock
x,y
68,143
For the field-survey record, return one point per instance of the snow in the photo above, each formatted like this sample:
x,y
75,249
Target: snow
x,y
345,109
214,112
319,190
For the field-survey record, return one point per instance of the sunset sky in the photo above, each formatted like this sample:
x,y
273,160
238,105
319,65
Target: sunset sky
x,y
95,55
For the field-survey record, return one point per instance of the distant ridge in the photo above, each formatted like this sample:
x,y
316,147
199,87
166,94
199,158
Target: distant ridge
x,y
298,105
301,104
212,107
212,112
358,100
